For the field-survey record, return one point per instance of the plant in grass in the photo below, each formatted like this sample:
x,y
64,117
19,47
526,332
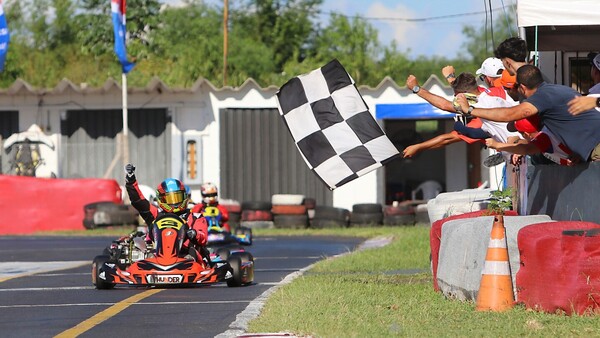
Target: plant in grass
x,y
501,200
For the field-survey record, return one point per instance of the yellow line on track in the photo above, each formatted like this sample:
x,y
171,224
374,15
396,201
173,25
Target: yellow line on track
x,y
106,314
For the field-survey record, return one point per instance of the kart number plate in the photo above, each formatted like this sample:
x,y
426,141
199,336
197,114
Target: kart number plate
x,y
215,237
166,279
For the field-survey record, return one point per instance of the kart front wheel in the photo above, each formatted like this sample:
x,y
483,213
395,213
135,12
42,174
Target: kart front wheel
x,y
100,283
235,262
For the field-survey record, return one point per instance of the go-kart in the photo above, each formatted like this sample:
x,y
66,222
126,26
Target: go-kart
x,y
133,262
218,235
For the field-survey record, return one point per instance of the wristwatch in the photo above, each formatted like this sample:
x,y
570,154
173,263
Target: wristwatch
x,y
470,110
416,89
598,102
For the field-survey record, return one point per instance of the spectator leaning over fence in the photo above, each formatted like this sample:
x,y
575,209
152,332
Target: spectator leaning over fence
x,y
465,82
580,133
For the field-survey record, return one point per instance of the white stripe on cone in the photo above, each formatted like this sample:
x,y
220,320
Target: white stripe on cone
x,y
496,268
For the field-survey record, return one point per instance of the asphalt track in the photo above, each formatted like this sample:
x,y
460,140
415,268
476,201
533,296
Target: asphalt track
x,y
46,290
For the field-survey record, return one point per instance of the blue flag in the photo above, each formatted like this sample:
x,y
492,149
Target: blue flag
x,y
118,8
4,38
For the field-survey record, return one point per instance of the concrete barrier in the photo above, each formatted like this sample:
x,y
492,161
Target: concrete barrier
x,y
458,202
463,247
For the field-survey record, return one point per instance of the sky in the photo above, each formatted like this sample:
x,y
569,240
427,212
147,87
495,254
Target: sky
x,y
429,35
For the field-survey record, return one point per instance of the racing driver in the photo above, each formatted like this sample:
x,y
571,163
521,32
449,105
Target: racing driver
x,y
172,197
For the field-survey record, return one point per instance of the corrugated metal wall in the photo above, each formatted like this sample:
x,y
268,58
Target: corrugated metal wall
x,y
9,124
259,159
565,193
90,139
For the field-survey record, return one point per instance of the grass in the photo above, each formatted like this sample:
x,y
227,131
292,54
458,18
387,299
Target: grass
x,y
371,293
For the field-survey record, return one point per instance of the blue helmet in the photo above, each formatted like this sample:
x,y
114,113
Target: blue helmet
x,y
172,195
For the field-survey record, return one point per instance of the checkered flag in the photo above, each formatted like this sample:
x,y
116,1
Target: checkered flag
x,y
331,124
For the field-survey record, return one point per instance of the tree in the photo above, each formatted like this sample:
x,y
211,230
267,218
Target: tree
x,y
284,26
480,43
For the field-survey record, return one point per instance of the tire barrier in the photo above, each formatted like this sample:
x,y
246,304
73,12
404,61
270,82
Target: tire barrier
x,y
256,215
330,217
366,215
402,214
290,221
100,214
289,212
234,209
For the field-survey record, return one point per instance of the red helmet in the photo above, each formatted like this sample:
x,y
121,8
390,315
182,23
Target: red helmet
x,y
172,196
209,194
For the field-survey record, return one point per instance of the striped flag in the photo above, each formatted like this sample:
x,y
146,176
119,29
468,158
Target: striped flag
x,y
118,8
4,37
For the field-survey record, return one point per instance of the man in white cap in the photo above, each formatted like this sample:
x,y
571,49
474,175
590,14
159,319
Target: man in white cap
x,y
491,71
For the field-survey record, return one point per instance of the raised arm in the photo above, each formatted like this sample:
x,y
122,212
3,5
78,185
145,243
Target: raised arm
x,y
434,100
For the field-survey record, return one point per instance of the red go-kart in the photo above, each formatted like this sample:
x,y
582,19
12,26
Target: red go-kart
x,y
129,261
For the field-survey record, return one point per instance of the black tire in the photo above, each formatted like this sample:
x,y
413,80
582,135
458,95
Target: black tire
x,y
320,223
366,219
333,213
290,221
249,273
96,280
257,205
235,262
223,253
310,203
399,220
89,224
367,208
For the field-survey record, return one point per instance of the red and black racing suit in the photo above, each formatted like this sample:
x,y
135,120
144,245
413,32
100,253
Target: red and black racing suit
x,y
149,212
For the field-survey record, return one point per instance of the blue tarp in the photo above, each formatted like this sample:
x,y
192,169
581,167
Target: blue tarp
x,y
410,111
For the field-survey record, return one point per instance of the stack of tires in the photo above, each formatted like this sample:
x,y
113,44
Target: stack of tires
x,y
289,212
100,214
234,208
330,217
401,214
256,215
366,215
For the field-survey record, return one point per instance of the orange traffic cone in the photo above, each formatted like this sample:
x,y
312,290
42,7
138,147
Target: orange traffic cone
x,y
496,291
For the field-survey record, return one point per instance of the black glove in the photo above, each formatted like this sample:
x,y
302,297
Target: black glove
x,y
191,233
129,173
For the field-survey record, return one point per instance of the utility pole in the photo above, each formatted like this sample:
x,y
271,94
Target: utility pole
x,y
225,30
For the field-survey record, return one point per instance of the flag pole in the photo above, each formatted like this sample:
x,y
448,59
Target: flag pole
x,y
125,142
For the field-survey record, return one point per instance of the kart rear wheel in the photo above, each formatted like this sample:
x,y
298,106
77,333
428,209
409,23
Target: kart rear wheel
x,y
96,280
236,266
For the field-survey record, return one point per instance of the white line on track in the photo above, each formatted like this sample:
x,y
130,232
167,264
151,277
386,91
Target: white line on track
x,y
9,270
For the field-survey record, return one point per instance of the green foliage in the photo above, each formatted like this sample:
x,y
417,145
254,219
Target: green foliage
x,y
268,40
501,200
